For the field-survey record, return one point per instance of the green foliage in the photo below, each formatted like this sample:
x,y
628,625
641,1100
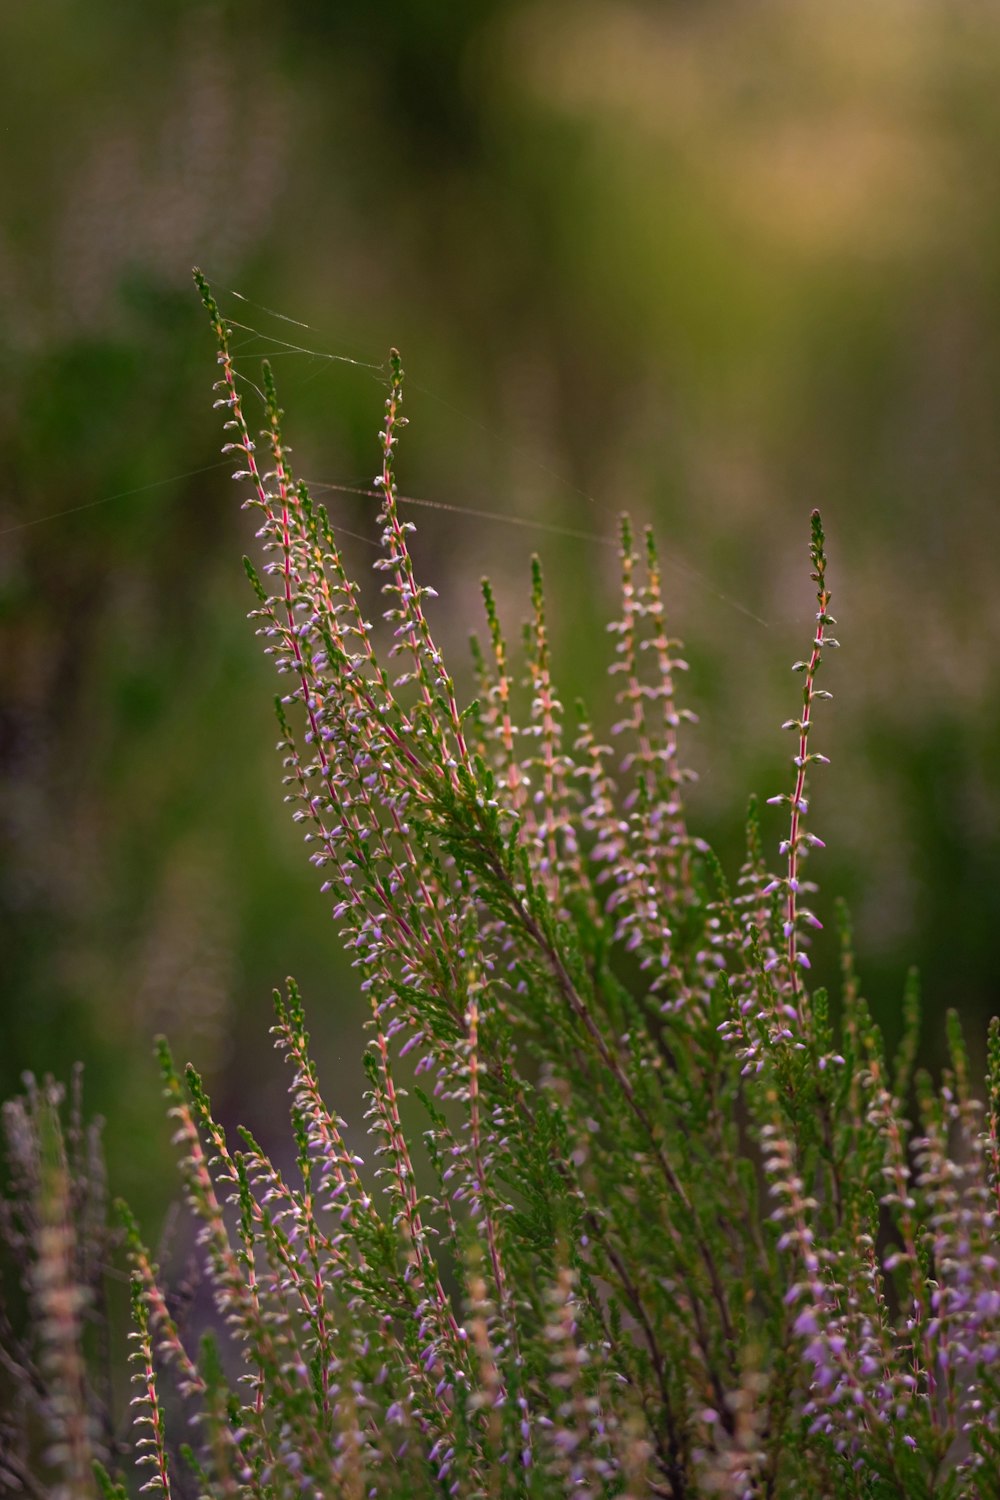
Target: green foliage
x,y
660,1226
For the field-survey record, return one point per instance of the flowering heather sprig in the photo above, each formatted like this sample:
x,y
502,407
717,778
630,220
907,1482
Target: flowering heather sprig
x,y
148,1418
55,1423
799,841
558,799
668,1231
770,1009
412,630
651,874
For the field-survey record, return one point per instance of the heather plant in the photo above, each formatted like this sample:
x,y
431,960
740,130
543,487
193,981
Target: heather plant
x,y
643,1212
56,1416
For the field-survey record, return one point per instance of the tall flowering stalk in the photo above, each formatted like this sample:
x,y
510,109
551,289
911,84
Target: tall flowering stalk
x,y
55,1416
667,1230
799,841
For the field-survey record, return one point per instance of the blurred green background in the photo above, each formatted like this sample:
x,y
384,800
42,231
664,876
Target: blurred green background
x,y
717,263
